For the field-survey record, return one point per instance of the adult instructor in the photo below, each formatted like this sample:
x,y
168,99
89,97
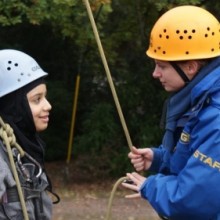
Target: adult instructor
x,y
185,45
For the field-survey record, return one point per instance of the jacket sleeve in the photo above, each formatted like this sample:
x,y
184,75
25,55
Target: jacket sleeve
x,y
193,192
158,158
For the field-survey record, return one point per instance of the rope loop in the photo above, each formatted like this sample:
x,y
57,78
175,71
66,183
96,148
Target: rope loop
x,y
9,133
9,140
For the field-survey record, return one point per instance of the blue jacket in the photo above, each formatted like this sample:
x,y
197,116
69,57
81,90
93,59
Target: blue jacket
x,y
187,185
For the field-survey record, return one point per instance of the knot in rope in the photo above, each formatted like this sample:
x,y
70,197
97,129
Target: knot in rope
x,y
7,130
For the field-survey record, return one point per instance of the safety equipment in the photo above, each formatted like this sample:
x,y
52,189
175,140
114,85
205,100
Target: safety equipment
x,y
185,33
17,69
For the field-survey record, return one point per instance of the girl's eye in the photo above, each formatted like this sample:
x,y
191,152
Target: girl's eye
x,y
37,100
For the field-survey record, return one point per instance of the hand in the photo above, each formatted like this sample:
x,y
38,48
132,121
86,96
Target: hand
x,y
136,182
141,158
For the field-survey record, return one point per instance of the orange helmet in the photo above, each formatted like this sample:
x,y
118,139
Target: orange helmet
x,y
185,33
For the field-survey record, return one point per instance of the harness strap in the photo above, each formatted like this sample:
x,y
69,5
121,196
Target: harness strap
x,y
11,195
49,189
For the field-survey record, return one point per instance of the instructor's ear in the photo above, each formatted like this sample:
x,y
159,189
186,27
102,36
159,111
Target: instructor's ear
x,y
191,68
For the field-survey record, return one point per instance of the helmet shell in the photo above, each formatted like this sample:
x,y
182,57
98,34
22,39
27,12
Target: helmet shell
x,y
185,33
17,69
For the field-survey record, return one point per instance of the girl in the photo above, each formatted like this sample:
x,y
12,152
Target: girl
x,y
24,106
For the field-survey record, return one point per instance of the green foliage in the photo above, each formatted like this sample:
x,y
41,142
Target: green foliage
x,y
100,128
57,134
58,34
168,4
101,142
11,12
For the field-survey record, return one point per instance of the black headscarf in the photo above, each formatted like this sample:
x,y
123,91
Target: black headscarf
x,y
15,110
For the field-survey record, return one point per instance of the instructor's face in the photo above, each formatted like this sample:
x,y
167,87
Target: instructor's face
x,y
168,77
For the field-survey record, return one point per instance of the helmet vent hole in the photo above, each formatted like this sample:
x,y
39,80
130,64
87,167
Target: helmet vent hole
x,y
189,37
19,80
177,31
187,52
9,68
9,62
185,31
165,30
22,74
208,28
164,52
181,37
160,35
193,31
213,33
212,49
206,35
16,64
167,37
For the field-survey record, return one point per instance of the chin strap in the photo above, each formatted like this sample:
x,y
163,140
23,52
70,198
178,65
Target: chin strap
x,y
180,72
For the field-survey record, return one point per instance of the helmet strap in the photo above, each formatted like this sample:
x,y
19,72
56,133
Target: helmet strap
x,y
180,72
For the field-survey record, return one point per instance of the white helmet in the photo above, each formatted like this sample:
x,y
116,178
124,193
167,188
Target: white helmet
x,y
17,69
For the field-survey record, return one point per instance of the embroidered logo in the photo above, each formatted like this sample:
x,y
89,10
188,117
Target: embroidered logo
x,y
184,137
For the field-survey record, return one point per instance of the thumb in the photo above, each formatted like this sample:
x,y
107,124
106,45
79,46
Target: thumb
x,y
134,150
140,151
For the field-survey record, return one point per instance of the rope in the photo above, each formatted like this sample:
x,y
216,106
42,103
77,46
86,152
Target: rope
x,y
108,73
108,215
102,54
8,137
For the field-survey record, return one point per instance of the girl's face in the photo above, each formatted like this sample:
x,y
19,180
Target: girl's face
x,y
39,106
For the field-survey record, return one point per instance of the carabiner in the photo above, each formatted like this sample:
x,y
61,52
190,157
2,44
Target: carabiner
x,y
35,162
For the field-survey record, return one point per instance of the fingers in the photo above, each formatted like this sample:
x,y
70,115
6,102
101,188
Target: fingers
x,y
138,153
130,186
142,151
134,153
133,196
137,179
136,159
134,150
138,164
134,183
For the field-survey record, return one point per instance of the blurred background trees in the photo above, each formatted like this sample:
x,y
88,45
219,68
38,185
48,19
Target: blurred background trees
x,y
58,34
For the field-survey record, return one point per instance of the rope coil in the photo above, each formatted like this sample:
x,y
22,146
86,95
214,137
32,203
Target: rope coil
x,y
9,140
